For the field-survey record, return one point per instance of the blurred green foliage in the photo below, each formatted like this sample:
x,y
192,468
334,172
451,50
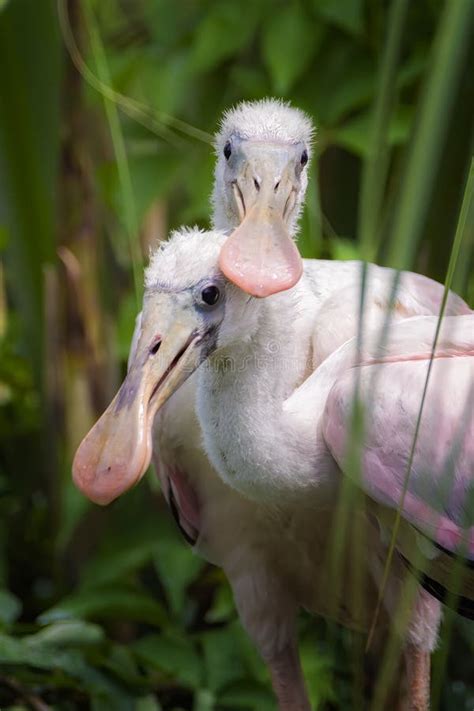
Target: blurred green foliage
x,y
109,609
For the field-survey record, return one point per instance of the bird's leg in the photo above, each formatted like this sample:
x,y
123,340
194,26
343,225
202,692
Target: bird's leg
x,y
421,639
420,634
268,612
418,674
287,680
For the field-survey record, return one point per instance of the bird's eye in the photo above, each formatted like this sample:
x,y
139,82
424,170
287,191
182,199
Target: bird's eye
x,y
210,295
304,157
227,150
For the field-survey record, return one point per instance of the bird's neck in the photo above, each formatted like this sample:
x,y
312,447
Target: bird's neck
x,y
249,437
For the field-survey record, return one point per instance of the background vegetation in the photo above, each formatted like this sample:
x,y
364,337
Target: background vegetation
x,y
108,608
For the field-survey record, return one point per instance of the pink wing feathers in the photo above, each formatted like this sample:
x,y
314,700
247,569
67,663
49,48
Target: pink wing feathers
x,y
439,499
179,494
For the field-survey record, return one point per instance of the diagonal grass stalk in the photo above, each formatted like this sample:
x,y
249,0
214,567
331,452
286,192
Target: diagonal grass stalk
x,y
466,249
157,122
446,64
400,619
310,242
457,577
125,178
375,169
458,239
345,529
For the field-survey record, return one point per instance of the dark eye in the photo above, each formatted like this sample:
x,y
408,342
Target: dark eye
x,y
227,150
210,295
304,157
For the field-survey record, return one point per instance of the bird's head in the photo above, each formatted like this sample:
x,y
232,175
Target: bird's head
x,y
182,323
263,150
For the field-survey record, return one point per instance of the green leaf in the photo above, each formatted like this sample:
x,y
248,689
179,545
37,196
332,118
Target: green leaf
x,y
289,41
222,658
132,528
318,672
10,607
225,29
344,249
125,67
198,184
346,14
116,603
116,562
230,657
68,634
151,175
353,91
355,135
346,84
251,82
121,662
166,90
148,703
168,22
223,606
177,567
204,700
20,652
247,695
173,654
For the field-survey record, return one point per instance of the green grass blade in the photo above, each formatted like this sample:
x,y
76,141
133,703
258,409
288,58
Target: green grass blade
x,y
446,64
460,277
125,178
310,241
375,169
458,239
29,147
156,121
457,576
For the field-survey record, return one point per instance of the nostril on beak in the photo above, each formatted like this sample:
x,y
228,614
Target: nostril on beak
x,y
256,182
155,347
277,185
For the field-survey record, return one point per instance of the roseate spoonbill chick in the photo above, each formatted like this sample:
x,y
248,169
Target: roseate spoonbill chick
x,y
269,139
201,505
273,427
271,556
261,144
263,149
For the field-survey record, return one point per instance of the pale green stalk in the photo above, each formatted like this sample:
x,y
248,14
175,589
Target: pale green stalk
x,y
446,65
375,168
458,239
131,221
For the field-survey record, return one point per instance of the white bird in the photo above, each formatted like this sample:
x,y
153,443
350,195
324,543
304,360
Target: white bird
x,y
272,427
267,141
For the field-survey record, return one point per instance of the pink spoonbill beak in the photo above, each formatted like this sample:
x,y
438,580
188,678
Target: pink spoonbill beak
x,y
260,256
116,452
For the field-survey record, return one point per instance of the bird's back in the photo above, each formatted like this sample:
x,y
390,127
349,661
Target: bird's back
x,y
337,288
